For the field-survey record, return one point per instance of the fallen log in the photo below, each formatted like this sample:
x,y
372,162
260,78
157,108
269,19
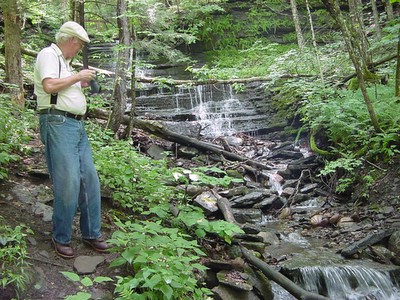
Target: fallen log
x,y
160,130
225,207
283,281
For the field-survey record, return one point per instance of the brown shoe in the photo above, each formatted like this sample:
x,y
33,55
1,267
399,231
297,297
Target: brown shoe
x,y
64,251
97,244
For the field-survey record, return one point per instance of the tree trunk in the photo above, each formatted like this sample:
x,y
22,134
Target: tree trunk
x,y
389,9
376,19
314,41
356,26
296,20
12,34
120,90
397,84
356,54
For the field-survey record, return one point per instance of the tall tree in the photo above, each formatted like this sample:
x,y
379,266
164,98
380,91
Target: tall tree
x,y
356,54
296,20
12,36
376,19
314,41
120,89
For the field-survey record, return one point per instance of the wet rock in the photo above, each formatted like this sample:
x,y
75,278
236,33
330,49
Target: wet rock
x,y
273,201
289,191
269,238
285,213
250,199
345,222
237,191
394,243
319,220
370,239
308,188
251,228
334,219
248,237
247,215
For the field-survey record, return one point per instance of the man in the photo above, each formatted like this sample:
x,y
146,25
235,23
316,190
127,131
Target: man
x,y
61,106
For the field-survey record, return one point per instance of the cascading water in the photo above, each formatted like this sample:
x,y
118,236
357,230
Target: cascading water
x,y
349,283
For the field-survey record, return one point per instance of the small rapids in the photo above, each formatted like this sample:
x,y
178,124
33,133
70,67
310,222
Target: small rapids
x,y
349,283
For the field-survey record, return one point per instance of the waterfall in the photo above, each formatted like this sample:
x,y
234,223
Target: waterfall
x,y
349,283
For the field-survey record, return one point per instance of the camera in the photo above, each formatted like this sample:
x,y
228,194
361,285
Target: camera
x,y
95,88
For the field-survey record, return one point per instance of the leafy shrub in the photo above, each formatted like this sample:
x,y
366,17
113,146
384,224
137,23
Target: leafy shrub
x,y
15,131
13,256
191,219
136,181
161,262
86,282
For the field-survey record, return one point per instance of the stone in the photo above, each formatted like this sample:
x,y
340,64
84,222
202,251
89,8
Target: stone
x,y
394,243
156,152
87,264
43,210
207,201
249,200
247,215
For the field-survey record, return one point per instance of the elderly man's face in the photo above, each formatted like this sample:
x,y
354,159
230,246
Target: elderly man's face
x,y
73,47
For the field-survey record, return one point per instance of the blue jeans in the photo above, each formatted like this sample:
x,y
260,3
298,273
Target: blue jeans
x,y
74,177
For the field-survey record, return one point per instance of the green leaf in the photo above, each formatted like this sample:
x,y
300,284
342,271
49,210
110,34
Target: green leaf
x,y
167,291
71,276
86,281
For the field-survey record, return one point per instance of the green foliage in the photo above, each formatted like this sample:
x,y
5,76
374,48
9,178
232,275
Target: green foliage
x,y
213,176
13,256
162,262
15,131
86,282
191,219
135,180
345,166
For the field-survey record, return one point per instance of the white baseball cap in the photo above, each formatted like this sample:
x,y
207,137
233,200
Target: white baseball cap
x,y
74,29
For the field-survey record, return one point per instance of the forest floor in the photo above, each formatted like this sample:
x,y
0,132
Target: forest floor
x,y
47,281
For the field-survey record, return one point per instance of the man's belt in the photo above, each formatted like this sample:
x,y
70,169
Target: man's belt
x,y
53,111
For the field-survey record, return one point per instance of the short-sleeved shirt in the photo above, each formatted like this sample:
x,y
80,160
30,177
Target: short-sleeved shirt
x,y
50,63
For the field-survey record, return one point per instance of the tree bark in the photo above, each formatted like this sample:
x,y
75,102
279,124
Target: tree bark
x,y
314,41
119,95
397,83
376,19
12,34
296,20
283,281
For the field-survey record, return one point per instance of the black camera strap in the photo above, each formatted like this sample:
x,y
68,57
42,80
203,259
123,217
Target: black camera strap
x,y
53,98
